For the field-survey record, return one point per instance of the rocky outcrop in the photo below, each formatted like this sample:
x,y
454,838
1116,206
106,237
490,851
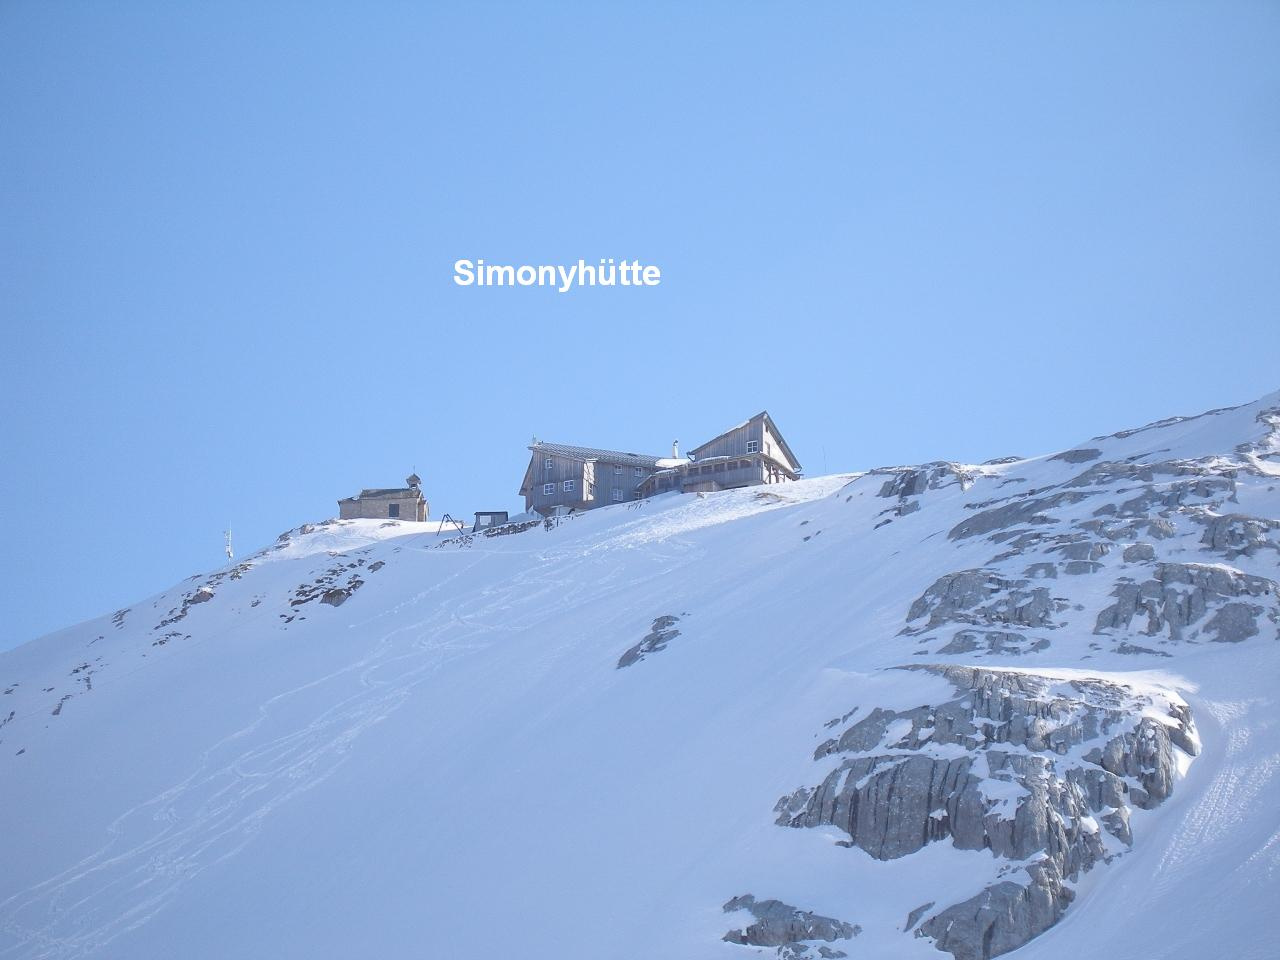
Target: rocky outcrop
x,y
913,481
1079,455
660,634
1002,917
1234,535
1016,513
1138,552
1176,600
1038,770
201,594
1267,447
982,597
992,643
792,930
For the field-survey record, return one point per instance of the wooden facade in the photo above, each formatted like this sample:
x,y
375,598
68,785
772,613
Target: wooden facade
x,y
562,479
751,453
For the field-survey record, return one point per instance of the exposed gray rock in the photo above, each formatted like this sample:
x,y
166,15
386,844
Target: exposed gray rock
x,y
337,596
1138,552
1045,767
1235,534
1087,550
1083,455
993,643
1076,568
779,924
1234,622
1144,754
1267,447
202,594
983,597
1002,917
1132,649
660,634
913,481
1014,514
1162,499
914,916
1180,594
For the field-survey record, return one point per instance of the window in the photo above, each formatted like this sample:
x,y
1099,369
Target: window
x,y
617,494
639,471
393,509
548,489
548,464
637,495
617,470
753,446
568,485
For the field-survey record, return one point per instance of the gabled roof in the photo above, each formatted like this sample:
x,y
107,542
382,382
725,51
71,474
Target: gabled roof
x,y
376,493
773,428
594,453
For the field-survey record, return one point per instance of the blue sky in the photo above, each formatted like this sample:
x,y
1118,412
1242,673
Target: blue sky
x,y
909,231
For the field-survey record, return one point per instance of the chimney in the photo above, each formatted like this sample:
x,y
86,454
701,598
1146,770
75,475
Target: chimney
x,y
675,449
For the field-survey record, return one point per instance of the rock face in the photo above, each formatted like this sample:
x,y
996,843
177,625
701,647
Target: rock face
x,y
1039,770
791,930
1002,917
993,643
1234,535
913,481
982,597
1117,551
660,634
1016,513
1080,455
1177,598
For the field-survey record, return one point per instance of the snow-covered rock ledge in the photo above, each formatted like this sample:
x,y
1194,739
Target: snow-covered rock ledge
x,y
1042,769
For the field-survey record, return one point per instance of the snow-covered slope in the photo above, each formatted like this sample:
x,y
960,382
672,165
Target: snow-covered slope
x,y
947,707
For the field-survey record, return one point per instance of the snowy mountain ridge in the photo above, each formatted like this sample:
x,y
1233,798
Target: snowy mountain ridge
x,y
1023,705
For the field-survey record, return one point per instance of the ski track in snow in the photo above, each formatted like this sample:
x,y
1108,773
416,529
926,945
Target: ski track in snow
x,y
843,608
159,846
1239,778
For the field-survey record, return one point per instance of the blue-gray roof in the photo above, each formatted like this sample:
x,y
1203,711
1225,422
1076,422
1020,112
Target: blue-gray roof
x,y
595,453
